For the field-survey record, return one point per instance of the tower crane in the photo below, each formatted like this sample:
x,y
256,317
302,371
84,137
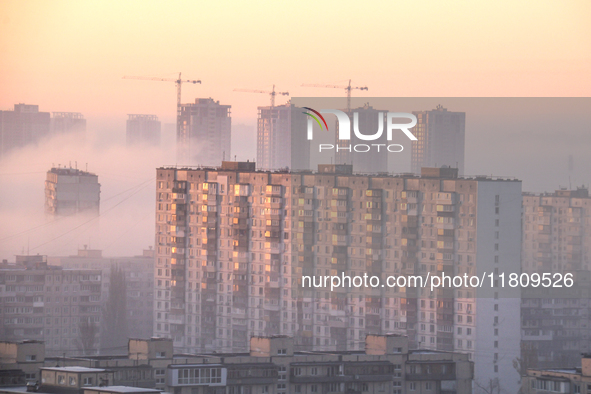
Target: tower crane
x,y
347,88
271,93
178,82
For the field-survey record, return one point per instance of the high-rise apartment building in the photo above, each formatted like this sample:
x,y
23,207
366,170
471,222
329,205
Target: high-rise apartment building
x,y
556,228
69,191
68,122
367,120
440,139
143,130
58,306
233,245
204,137
277,147
23,126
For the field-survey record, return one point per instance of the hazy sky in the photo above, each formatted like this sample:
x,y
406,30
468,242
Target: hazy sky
x,y
71,55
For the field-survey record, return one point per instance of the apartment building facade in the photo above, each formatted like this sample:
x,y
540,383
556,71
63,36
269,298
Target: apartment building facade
x,y
70,191
22,126
138,273
440,139
204,135
277,147
556,230
233,244
143,130
46,303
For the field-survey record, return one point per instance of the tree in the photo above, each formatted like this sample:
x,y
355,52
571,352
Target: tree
x,y
493,386
115,312
87,336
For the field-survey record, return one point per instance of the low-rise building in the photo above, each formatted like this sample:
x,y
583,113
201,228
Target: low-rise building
x,y
559,380
272,366
20,361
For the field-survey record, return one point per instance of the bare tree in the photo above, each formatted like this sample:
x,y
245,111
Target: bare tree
x,y
115,312
493,386
87,336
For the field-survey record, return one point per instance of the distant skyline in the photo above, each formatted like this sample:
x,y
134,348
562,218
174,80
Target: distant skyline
x,y
72,55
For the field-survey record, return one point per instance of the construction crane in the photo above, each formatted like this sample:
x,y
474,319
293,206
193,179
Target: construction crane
x,y
347,88
271,93
178,82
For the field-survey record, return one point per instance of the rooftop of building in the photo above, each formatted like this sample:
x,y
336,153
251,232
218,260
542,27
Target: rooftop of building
x,y
69,171
343,169
24,341
579,192
74,369
122,389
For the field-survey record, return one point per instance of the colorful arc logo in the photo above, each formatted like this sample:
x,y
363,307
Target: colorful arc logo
x,y
315,118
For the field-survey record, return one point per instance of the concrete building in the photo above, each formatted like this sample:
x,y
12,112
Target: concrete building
x,y
68,123
23,126
204,137
567,379
556,230
143,130
386,365
233,245
277,147
46,303
20,362
367,120
139,286
440,139
69,191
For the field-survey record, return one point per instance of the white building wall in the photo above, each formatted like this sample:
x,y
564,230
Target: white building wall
x,y
505,343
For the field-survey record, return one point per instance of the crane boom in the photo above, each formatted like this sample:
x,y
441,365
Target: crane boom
x,y
347,88
178,82
271,93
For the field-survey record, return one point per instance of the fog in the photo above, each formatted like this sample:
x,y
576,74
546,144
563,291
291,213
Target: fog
x,y
127,177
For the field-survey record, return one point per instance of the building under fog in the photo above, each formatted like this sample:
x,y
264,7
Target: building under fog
x,y
22,126
233,244
70,191
367,119
61,307
556,230
277,146
143,130
204,135
68,123
134,296
440,139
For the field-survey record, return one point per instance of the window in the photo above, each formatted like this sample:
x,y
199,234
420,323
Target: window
x,y
160,354
412,386
31,357
87,381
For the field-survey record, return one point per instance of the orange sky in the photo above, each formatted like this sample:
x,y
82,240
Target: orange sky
x,y
71,55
